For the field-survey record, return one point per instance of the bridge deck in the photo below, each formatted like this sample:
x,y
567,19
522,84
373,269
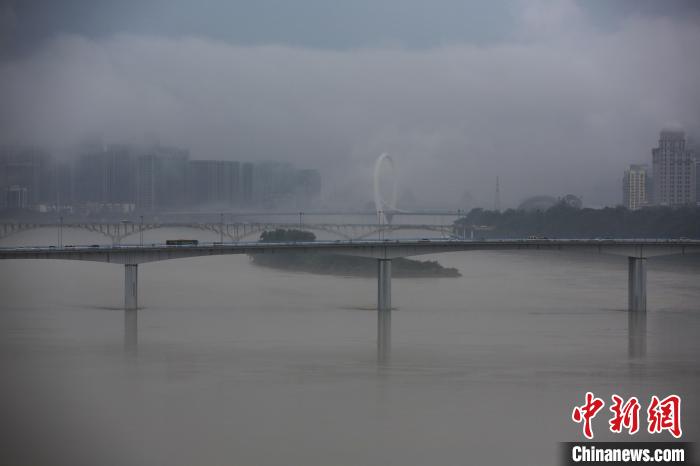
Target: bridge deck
x,y
381,249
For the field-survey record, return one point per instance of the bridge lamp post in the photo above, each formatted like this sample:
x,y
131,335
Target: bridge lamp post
x,y
141,231
221,227
125,223
60,232
301,221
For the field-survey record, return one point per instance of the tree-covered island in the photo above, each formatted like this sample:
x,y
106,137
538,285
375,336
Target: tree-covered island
x,y
334,264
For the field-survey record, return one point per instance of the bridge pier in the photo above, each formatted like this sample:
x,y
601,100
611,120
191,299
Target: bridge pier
x,y
637,284
131,272
383,309
384,285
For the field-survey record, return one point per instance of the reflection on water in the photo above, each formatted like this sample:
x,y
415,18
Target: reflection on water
x,y
383,336
131,329
637,334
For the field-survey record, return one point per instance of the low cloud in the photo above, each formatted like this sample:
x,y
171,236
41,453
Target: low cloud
x,y
552,113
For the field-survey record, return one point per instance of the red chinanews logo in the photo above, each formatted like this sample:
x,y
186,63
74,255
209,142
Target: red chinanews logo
x,y
662,415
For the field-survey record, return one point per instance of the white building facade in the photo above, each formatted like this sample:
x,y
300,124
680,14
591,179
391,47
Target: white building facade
x,y
634,187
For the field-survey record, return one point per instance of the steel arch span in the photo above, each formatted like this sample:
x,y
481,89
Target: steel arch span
x,y
258,229
9,229
445,231
118,232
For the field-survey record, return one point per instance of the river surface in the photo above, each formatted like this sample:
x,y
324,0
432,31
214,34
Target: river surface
x,y
227,363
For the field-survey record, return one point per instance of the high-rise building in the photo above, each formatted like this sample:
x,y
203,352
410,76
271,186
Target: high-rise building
x,y
634,187
697,181
273,184
247,183
24,176
497,200
61,186
105,177
693,145
213,182
308,187
674,171
161,179
15,197
234,187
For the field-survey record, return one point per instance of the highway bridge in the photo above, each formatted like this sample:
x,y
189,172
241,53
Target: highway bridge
x,y
637,252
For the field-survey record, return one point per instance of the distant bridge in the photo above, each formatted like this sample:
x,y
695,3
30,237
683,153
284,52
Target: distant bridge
x,y
119,231
320,213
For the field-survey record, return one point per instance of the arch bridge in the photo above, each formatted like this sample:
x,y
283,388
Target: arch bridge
x,y
117,232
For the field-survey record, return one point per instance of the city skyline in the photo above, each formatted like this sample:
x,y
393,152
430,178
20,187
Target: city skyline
x,y
673,180
123,178
567,87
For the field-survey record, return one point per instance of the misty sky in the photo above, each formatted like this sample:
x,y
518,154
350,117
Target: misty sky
x,y
554,97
